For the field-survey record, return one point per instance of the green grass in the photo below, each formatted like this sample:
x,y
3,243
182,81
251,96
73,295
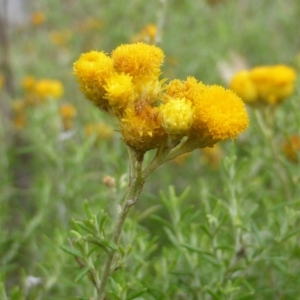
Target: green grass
x,y
197,232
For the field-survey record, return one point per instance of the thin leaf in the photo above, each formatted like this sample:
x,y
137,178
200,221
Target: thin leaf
x,y
136,294
195,249
72,251
82,273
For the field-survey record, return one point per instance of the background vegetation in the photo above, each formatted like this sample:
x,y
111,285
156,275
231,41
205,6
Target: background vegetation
x,y
212,225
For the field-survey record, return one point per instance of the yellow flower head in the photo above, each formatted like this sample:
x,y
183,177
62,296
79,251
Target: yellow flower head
x,y
60,38
100,130
141,127
177,116
38,18
28,83
274,83
243,86
19,114
264,84
138,60
147,34
189,89
92,69
291,148
120,92
49,88
219,115
67,111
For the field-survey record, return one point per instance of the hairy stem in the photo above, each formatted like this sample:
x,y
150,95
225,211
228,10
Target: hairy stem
x,y
136,184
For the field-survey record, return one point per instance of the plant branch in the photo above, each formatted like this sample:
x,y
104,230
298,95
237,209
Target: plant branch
x,y
136,184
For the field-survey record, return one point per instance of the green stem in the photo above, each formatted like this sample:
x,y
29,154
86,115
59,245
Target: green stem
x,y
136,184
165,154
268,135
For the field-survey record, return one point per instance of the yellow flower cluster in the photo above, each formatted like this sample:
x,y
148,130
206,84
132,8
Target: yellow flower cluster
x,y
46,88
42,89
265,84
150,113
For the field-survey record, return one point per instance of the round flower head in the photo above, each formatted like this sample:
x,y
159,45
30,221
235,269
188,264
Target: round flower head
x,y
91,70
67,111
141,127
219,115
177,116
119,92
49,88
138,60
243,86
283,81
189,89
273,83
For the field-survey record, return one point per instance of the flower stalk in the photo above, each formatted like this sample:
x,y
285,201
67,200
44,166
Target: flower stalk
x,y
136,183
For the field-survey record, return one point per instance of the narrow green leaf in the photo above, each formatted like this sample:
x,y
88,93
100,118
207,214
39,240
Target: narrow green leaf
x,y
101,221
213,294
87,209
289,235
161,220
109,244
206,230
88,228
72,251
137,293
195,249
82,273
2,291
171,236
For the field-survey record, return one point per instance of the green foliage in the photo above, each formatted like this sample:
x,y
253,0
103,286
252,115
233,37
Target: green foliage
x,y
227,231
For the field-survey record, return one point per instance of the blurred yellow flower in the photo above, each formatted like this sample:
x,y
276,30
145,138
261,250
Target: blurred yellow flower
x,y
1,81
147,34
90,24
67,112
291,148
19,114
28,83
47,88
38,18
265,84
100,130
243,86
60,38
211,156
